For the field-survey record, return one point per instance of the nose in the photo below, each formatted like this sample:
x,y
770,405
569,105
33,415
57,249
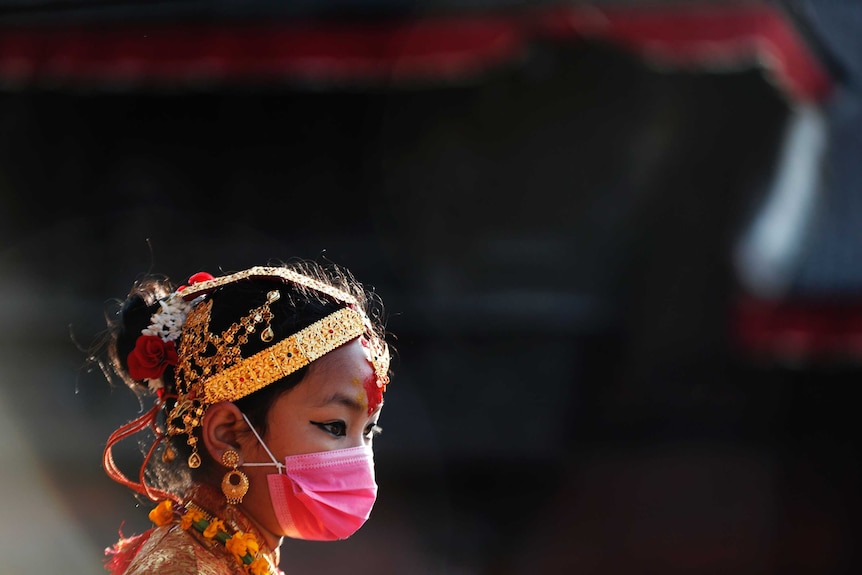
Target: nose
x,y
359,440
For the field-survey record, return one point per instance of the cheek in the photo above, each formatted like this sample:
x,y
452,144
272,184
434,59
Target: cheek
x,y
285,428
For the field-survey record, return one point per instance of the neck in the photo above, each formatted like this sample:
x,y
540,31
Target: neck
x,y
272,540
211,499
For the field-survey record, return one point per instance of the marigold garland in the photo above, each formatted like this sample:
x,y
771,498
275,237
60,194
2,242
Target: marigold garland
x,y
245,547
163,513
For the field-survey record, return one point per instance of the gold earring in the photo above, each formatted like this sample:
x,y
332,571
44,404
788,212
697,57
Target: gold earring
x,y
235,483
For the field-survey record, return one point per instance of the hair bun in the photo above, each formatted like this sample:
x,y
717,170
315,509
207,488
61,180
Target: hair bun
x,y
134,316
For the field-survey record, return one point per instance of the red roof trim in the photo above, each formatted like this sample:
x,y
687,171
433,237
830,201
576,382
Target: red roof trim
x,y
431,49
436,49
720,37
799,330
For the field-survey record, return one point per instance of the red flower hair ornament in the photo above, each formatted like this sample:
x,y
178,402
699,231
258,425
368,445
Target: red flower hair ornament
x,y
151,357
155,349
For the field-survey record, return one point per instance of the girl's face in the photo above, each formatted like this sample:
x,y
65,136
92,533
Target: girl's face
x,y
328,409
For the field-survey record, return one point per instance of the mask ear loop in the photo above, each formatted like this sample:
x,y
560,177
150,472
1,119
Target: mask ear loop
x,y
260,440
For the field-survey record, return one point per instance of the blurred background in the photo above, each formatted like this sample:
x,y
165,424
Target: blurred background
x,y
618,243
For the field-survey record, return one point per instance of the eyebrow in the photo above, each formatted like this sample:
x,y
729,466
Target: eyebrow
x,y
342,399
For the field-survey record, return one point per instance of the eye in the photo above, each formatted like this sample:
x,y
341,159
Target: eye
x,y
372,431
335,428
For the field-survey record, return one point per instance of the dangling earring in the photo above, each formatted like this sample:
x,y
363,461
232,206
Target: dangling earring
x,y
235,483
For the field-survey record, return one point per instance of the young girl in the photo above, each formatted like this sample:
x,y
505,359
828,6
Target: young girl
x,y
267,387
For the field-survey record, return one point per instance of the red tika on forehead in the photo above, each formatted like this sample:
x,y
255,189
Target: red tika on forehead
x,y
374,392
375,384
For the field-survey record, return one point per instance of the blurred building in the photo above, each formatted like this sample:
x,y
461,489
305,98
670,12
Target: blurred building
x,y
617,242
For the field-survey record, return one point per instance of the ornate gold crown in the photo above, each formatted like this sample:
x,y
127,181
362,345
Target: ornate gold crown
x,y
210,367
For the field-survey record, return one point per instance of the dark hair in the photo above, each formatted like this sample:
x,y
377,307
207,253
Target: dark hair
x,y
297,308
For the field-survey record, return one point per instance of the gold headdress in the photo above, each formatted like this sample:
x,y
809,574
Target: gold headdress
x,y
210,367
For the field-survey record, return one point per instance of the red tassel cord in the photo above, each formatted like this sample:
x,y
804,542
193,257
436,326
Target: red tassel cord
x,y
146,420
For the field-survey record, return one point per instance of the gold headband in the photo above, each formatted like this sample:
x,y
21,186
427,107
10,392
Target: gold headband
x,y
287,356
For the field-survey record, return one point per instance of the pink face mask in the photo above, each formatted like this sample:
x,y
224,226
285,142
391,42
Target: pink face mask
x,y
322,496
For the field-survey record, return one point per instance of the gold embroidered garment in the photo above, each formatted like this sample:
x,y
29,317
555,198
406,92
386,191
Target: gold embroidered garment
x,y
171,550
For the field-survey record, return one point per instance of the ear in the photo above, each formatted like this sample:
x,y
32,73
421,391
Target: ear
x,y
221,429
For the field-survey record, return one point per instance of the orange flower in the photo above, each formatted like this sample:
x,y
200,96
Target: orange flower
x,y
236,544
163,513
251,543
213,528
191,516
259,567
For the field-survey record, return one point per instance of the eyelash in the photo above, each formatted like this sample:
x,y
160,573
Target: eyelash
x,y
338,428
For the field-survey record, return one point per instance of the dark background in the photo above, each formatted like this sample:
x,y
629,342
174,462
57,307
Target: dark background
x,y
553,240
